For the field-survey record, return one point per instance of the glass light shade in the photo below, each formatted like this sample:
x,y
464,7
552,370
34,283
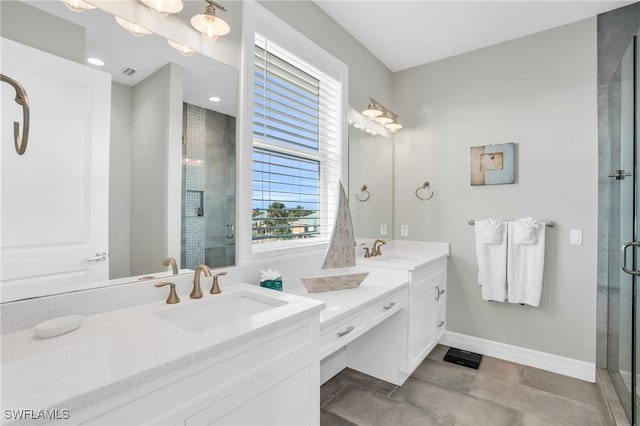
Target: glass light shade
x,y
164,7
383,119
393,126
134,29
372,112
210,26
78,5
184,50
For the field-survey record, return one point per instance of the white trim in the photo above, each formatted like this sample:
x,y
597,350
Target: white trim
x,y
258,19
555,363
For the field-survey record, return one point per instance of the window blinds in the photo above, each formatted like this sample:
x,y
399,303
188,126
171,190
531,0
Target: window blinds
x,y
296,146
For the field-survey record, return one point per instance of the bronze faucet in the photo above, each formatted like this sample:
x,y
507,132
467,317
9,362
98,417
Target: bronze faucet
x,y
375,250
215,288
196,293
173,297
171,261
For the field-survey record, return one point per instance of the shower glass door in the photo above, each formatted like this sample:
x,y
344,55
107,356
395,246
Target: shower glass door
x,y
624,232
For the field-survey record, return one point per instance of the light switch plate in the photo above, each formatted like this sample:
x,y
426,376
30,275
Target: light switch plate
x,y
404,230
575,237
383,229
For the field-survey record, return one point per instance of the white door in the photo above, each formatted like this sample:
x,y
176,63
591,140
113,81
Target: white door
x,y
54,199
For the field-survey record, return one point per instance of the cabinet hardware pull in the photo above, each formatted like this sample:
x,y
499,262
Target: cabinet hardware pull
x,y
441,323
437,293
389,306
99,257
347,331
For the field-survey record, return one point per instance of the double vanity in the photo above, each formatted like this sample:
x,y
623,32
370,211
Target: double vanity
x,y
249,355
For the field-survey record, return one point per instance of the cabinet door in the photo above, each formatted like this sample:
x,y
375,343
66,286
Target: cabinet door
x,y
421,325
289,395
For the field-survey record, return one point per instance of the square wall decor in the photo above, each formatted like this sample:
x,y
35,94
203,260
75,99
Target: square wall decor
x,y
493,164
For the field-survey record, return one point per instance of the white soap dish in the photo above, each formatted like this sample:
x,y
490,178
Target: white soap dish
x,y
57,326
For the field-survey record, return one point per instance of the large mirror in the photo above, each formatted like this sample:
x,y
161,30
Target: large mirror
x,y
370,179
171,173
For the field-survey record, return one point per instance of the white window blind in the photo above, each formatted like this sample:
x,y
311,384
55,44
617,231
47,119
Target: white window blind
x,y
296,146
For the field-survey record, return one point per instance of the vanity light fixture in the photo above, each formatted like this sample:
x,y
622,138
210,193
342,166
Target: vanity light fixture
x,y
382,115
164,7
184,50
210,26
134,29
78,5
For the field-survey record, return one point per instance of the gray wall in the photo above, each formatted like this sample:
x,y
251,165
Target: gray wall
x,y
539,92
120,181
46,32
155,102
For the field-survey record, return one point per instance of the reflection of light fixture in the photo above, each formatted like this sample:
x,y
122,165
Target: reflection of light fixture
x,y
184,50
214,99
394,125
382,115
372,110
95,61
134,29
78,5
164,7
210,26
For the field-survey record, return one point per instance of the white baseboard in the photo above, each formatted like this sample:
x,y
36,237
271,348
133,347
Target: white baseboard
x,y
545,361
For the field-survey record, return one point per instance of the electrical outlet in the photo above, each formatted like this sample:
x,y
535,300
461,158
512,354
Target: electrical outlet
x,y
404,230
383,229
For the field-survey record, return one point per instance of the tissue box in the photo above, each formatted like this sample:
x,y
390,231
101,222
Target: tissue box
x,y
272,284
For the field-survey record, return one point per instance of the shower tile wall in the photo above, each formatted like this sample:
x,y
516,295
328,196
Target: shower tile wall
x,y
208,216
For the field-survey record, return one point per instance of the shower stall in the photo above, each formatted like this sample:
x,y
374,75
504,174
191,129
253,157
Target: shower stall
x,y
619,209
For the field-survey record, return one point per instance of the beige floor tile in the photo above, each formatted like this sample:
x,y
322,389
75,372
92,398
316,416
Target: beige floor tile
x,y
367,382
446,375
561,385
331,389
500,370
547,406
454,406
327,418
370,408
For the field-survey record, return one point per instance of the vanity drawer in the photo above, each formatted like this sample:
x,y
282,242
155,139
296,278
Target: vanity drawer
x,y
385,308
342,333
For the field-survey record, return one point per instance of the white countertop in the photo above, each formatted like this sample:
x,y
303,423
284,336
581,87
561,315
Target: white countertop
x,y
406,255
116,350
341,303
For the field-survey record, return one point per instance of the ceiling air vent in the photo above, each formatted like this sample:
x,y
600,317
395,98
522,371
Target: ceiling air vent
x,y
128,71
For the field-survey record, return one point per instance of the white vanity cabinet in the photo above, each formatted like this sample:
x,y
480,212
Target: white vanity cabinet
x,y
427,310
270,380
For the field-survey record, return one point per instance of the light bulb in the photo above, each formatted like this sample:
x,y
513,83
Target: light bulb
x,y
210,26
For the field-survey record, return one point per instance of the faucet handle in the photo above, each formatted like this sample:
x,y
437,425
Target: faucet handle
x,y
173,297
215,288
367,253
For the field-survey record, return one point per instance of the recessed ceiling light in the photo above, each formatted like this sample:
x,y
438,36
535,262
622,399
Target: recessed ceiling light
x,y
95,61
214,99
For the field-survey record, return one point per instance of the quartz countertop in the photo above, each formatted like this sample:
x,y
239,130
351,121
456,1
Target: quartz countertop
x,y
114,351
341,303
405,255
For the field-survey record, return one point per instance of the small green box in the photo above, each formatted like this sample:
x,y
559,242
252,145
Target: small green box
x,y
272,284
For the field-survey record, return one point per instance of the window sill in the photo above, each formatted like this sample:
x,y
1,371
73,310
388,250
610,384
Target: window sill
x,y
286,248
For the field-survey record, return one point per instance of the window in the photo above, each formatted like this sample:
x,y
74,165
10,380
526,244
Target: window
x,y
296,147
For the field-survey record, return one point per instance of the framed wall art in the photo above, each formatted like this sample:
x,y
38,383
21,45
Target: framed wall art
x,y
493,164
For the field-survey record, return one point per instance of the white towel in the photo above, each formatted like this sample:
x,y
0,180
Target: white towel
x,y
525,261
492,261
492,230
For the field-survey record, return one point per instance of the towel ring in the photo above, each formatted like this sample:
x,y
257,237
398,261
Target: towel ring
x,y
22,100
363,190
425,186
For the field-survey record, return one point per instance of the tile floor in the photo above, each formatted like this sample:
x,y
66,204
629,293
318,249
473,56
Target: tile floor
x,y
440,393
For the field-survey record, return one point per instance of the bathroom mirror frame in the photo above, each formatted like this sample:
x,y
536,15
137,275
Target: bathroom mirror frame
x,y
176,30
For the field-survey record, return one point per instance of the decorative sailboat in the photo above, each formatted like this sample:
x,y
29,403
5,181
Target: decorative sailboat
x,y
340,254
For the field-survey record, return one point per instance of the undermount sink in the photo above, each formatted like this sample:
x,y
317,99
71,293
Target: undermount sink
x,y
215,311
391,255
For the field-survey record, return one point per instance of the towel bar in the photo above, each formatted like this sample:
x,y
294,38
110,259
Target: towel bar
x,y
549,224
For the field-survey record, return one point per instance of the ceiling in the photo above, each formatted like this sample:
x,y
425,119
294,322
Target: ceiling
x,y
404,34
